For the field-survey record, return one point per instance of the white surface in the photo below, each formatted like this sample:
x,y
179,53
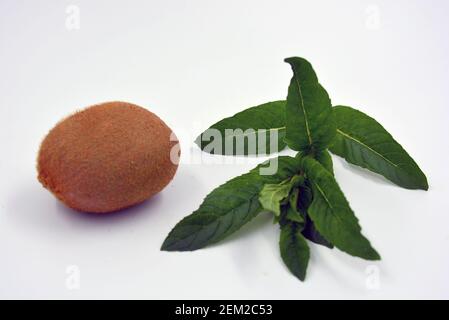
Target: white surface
x,y
195,62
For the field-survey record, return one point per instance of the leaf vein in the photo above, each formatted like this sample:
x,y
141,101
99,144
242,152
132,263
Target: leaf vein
x,y
366,146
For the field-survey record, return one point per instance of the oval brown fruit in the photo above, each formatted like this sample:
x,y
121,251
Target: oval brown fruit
x,y
107,157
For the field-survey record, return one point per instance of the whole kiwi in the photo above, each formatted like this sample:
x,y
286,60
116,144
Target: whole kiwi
x,y
108,157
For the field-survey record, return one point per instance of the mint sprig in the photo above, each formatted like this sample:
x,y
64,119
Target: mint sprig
x,y
303,194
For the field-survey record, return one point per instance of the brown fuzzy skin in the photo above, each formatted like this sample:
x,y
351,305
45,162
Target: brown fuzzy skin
x,y
107,157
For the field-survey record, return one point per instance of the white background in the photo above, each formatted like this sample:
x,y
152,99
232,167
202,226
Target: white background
x,y
193,63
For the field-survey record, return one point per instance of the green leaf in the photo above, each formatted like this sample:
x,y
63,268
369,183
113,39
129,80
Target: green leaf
x,y
363,141
325,159
294,250
226,209
292,211
305,197
331,214
311,233
273,196
247,132
294,215
310,123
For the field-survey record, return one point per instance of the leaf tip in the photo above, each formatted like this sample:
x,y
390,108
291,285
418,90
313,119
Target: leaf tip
x,y
300,274
420,181
165,246
302,277
425,184
169,245
291,60
198,141
372,255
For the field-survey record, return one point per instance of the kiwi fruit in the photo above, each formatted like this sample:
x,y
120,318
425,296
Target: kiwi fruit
x,y
107,157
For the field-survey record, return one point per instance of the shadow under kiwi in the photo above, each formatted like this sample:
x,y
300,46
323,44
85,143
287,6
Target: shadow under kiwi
x,y
129,213
35,210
